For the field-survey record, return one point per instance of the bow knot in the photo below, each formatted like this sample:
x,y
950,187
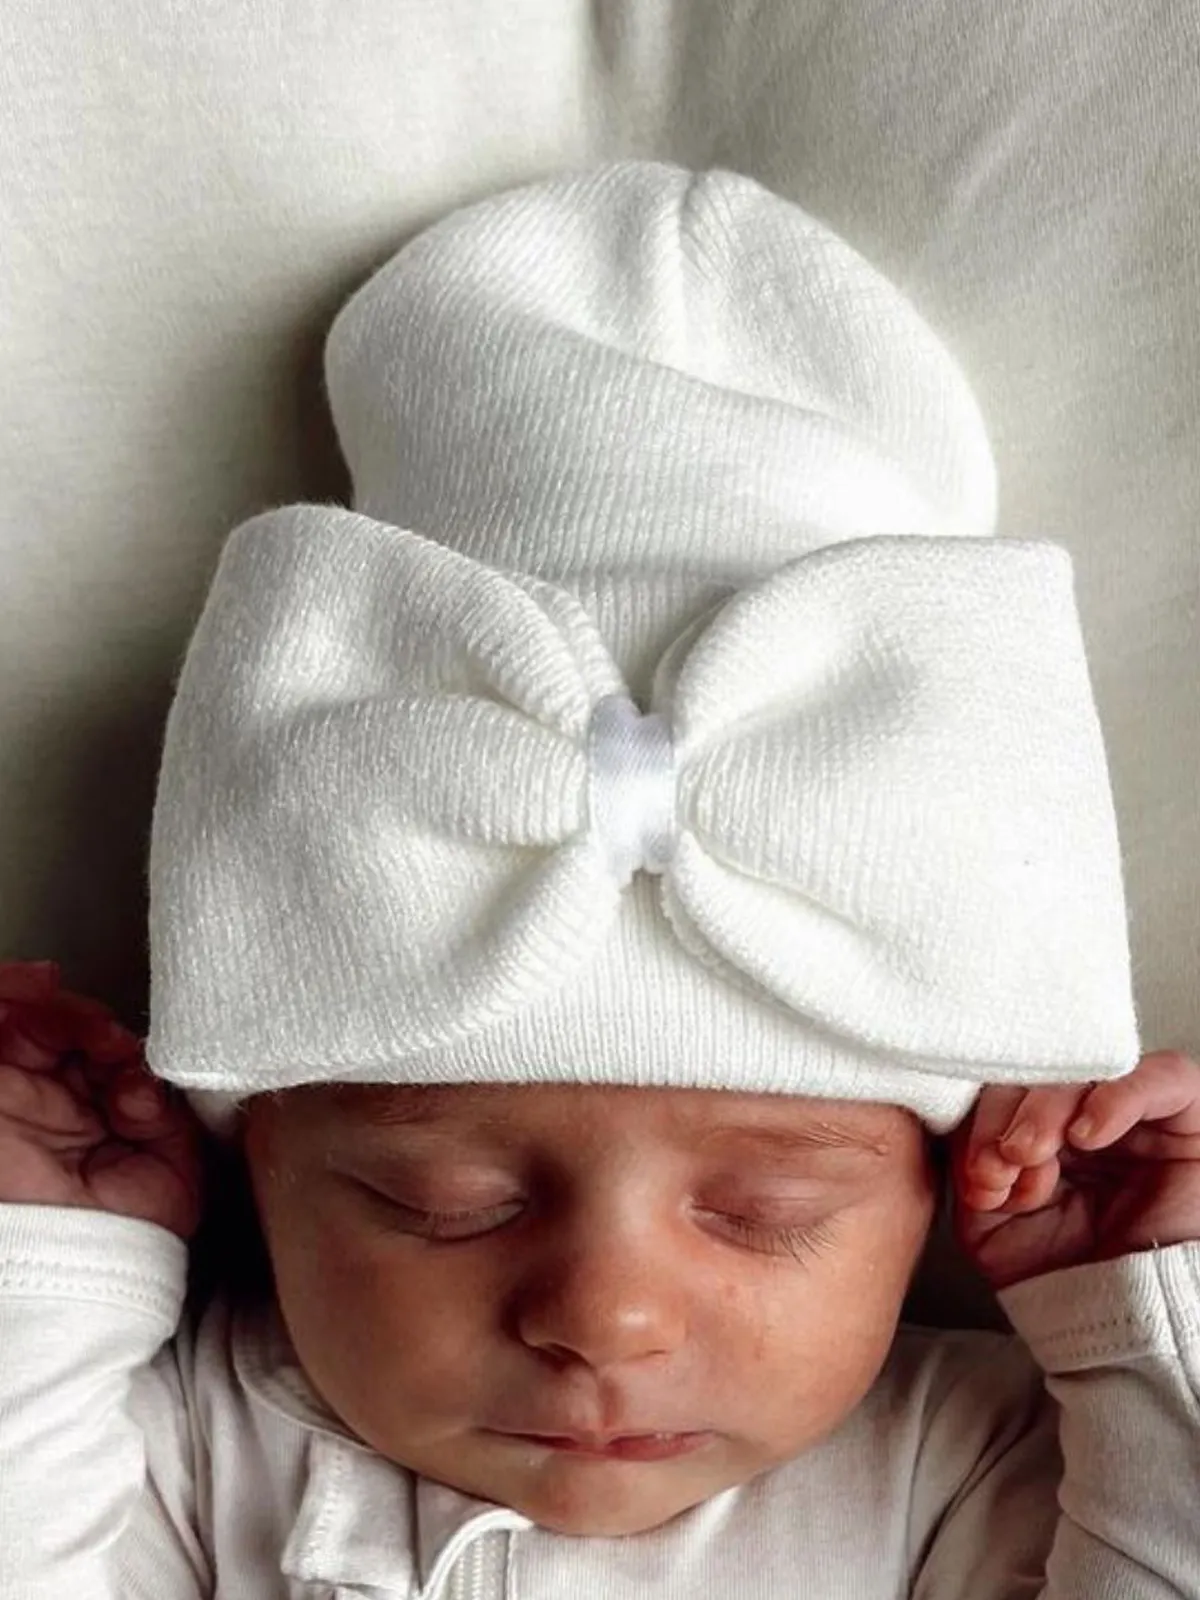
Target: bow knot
x,y
631,787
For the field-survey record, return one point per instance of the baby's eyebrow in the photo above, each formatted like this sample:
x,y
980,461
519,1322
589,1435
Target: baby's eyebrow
x,y
814,1136
425,1106
408,1106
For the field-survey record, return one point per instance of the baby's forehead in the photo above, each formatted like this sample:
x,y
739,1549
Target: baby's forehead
x,y
575,1114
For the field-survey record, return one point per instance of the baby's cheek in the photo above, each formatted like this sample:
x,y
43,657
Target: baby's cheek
x,y
389,1351
811,1338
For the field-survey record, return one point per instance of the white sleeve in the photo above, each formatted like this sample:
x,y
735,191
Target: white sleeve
x,y
1119,1346
88,1306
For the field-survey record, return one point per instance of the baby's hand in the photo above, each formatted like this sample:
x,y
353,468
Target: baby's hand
x,y
1055,1177
82,1120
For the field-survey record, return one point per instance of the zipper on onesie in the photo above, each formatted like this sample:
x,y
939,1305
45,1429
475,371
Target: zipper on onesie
x,y
482,1569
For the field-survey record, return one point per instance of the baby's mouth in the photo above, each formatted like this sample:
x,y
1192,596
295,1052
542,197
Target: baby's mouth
x,y
618,1446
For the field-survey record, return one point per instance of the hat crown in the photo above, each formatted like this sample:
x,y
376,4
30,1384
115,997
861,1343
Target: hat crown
x,y
642,373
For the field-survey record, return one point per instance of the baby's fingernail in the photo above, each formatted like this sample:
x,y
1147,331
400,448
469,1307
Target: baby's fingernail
x,y
1082,1128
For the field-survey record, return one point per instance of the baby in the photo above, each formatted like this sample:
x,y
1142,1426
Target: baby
x,y
588,882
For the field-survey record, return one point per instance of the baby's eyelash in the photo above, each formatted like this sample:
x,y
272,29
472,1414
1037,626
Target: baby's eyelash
x,y
802,1242
447,1227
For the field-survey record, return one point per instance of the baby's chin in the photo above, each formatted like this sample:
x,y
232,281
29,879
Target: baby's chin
x,y
598,1497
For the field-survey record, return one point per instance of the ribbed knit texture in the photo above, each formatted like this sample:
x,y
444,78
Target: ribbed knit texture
x,y
641,435
649,385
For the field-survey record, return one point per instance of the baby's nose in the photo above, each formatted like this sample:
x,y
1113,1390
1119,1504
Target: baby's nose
x,y
603,1304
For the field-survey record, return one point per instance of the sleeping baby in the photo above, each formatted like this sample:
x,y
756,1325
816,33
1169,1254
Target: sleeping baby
x,y
610,889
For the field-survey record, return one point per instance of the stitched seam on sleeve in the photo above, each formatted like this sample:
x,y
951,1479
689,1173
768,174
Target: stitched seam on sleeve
x,y
111,1285
1118,1337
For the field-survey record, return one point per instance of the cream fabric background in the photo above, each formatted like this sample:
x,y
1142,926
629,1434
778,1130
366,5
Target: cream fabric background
x,y
189,190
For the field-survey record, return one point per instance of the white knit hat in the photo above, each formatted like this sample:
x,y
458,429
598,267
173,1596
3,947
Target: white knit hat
x,y
639,438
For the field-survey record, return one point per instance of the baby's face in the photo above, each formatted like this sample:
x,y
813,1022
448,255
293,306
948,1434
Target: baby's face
x,y
599,1306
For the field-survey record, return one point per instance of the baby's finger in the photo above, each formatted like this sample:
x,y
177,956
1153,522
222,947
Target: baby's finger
x,y
44,1105
108,1041
78,1022
1038,1129
139,1107
974,1195
1030,1189
1164,1089
1035,1188
19,1048
980,1162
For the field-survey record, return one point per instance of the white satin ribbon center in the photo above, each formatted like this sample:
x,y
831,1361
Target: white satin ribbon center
x,y
631,787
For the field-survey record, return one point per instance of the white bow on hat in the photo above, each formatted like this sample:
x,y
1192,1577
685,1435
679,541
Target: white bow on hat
x,y
404,794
